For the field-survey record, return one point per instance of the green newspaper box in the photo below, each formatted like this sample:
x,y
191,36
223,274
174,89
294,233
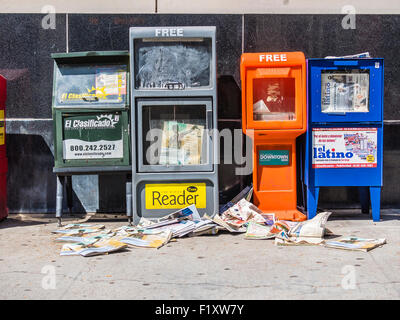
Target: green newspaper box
x,y
91,116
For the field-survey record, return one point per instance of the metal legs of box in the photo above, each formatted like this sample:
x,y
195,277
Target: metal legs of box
x,y
65,181
368,195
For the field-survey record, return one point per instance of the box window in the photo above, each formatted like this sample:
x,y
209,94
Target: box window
x,y
344,91
274,99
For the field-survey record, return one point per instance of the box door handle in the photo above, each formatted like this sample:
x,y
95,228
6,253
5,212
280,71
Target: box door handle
x,y
209,122
345,63
273,72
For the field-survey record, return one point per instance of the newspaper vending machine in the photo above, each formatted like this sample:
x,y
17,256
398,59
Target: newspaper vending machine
x,y
174,112
344,145
274,115
91,117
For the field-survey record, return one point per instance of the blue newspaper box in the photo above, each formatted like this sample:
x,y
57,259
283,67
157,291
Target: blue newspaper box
x,y
344,140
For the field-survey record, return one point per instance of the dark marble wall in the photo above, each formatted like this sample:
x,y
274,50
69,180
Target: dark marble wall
x,y
25,49
322,35
25,61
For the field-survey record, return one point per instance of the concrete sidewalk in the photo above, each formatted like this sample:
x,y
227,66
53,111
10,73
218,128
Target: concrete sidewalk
x,y
224,266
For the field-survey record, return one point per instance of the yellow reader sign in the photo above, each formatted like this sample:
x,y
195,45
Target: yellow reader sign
x,y
175,195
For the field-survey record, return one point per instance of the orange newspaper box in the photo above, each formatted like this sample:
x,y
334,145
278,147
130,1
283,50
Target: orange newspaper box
x,y
274,103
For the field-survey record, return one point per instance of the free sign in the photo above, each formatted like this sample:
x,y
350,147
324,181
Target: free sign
x,y
273,57
169,32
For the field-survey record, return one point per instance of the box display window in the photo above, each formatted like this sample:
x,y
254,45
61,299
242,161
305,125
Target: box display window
x,y
274,99
344,91
90,84
182,134
173,65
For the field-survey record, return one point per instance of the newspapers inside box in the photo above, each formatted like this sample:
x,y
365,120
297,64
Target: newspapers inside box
x,y
344,91
274,99
78,84
183,141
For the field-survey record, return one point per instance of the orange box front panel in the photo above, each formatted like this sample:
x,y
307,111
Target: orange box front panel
x,y
274,185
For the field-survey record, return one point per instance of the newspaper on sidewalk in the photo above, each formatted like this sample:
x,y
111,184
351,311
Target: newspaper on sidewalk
x,y
82,226
209,230
103,246
77,232
188,213
306,232
220,222
180,223
241,213
156,240
75,229
204,227
86,239
282,239
236,217
280,228
354,243
246,193
314,228
258,231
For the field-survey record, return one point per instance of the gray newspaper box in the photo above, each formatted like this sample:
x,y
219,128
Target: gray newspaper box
x,y
174,120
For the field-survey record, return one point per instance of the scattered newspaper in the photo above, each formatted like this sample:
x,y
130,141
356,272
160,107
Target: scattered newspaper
x,y
149,240
125,230
246,193
269,218
79,230
179,229
208,229
219,221
144,223
309,232
314,227
186,221
173,220
283,240
355,244
258,231
88,239
241,213
204,227
241,216
82,226
103,246
281,225
163,223
187,227
189,212
236,216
